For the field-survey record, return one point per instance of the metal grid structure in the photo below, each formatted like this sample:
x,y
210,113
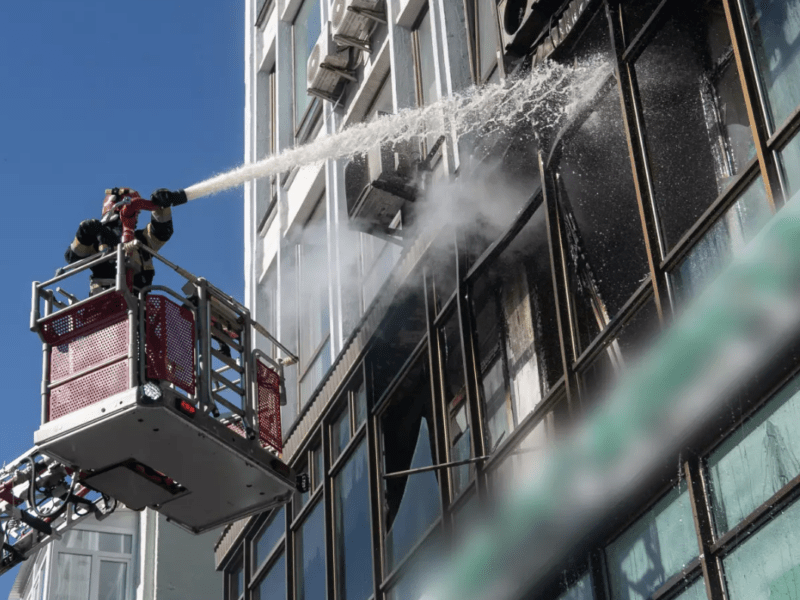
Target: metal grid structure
x,y
269,409
170,342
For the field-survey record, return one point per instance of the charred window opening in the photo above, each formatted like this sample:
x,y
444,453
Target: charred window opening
x,y
411,503
698,132
400,333
515,325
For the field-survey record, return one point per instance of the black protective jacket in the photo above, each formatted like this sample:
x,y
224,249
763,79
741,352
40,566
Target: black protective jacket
x,y
93,237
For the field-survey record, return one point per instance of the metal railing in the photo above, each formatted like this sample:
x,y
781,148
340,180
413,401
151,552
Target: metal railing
x,y
212,333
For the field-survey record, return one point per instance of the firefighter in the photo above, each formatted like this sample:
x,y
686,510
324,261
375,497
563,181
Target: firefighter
x,y
95,236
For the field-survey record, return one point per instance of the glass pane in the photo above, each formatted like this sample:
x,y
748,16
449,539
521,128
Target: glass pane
x,y
635,15
340,433
697,591
112,580
273,586
455,398
427,84
411,502
604,230
314,315
267,540
655,548
306,33
767,565
352,538
98,540
487,38
757,460
412,584
288,330
774,30
726,238
73,577
789,160
319,468
316,372
698,133
361,405
496,409
637,335
582,590
310,557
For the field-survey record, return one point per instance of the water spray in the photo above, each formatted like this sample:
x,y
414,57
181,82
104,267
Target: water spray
x,y
541,97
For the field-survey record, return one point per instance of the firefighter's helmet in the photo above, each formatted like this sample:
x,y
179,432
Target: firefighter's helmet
x,y
115,199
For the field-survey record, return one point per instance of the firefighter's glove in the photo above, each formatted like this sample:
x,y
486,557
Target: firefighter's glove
x,y
88,231
164,198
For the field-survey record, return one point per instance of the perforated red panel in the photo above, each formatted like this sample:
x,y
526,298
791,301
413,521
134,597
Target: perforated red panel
x,y
88,389
96,314
269,407
170,340
89,350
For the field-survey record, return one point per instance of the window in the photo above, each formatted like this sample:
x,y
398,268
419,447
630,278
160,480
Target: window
x,y
309,556
606,256
347,424
698,132
305,33
659,545
726,239
273,584
235,578
411,503
756,461
424,55
93,565
266,145
314,324
767,565
517,341
351,522
455,397
485,40
267,540
774,29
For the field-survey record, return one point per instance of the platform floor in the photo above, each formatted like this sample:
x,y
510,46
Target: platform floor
x,y
225,476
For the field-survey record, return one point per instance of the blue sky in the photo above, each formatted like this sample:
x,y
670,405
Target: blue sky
x,y
96,94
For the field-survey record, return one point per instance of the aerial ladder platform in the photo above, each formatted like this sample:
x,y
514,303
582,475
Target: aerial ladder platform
x,y
152,398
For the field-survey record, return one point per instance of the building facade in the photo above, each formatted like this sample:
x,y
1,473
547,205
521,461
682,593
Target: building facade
x,y
465,300
126,556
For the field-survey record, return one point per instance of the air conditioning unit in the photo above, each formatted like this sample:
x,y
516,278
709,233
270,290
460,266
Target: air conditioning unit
x,y
327,66
352,21
380,183
521,22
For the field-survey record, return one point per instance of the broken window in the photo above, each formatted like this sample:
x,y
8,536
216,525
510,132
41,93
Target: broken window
x,y
411,503
698,132
395,340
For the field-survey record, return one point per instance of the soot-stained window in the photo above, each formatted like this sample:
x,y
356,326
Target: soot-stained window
x,y
410,502
698,132
597,198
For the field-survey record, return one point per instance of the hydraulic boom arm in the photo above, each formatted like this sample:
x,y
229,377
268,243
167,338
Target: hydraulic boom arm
x,y
40,500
